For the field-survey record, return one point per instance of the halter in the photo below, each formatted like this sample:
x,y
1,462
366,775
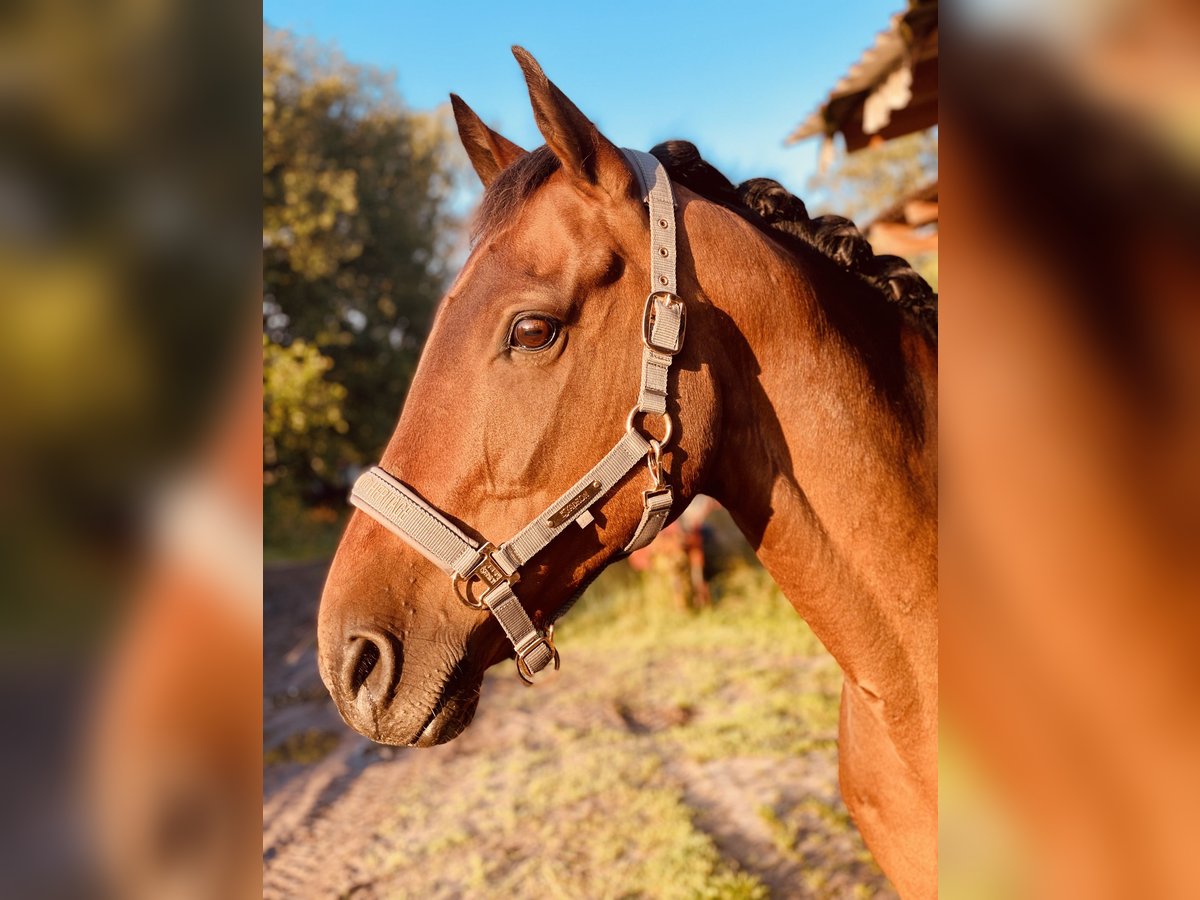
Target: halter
x,y
496,569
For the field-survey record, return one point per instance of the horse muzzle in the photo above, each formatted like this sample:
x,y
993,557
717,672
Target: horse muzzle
x,y
413,699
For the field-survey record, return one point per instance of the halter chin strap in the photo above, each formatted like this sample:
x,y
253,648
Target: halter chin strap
x,y
483,575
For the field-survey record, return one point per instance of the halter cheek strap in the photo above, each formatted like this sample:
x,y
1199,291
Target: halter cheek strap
x,y
483,575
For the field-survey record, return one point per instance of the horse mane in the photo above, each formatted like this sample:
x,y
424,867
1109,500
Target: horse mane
x,y
762,201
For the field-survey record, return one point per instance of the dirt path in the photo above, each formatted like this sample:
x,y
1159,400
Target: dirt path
x,y
532,796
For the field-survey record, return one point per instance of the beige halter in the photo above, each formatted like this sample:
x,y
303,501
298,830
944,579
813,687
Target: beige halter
x,y
497,569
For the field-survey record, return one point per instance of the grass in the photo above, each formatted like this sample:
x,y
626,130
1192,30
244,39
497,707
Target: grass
x,y
589,803
768,686
586,818
748,612
305,747
598,784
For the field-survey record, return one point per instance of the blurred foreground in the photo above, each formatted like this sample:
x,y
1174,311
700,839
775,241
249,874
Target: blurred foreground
x,y
130,438
1070,443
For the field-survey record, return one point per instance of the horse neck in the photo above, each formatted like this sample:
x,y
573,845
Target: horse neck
x,y
827,462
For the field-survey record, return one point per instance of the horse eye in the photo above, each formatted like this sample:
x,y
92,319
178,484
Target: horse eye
x,y
533,332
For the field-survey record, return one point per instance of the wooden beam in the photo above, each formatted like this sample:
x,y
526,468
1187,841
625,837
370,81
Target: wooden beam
x,y
920,113
920,212
900,239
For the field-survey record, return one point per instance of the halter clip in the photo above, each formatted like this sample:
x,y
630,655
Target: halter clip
x,y
487,571
655,465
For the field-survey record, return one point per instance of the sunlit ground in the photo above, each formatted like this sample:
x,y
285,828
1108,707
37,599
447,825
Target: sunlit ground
x,y
677,754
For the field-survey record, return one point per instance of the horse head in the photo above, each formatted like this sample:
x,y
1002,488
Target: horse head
x,y
527,379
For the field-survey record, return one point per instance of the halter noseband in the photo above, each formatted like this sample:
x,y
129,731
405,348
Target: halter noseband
x,y
496,569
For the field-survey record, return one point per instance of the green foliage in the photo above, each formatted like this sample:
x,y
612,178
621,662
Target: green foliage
x,y
355,234
861,185
294,531
302,411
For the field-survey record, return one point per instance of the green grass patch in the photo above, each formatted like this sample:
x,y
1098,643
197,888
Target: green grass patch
x,y
583,819
304,747
579,791
632,610
745,677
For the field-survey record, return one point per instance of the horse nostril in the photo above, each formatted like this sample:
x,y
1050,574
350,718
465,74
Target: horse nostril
x,y
368,656
372,661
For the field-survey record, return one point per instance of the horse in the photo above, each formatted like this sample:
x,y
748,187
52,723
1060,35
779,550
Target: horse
x,y
804,399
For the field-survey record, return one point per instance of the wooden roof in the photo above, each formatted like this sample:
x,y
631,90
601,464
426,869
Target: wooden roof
x,y
891,91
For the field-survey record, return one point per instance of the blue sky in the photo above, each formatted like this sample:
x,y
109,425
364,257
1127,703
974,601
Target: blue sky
x,y
733,78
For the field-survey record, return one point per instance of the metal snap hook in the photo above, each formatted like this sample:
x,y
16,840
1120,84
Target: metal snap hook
x,y
655,465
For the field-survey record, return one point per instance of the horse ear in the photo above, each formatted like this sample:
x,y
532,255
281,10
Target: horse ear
x,y
488,151
583,151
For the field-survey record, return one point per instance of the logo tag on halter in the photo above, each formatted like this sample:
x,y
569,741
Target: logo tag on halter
x,y
571,508
490,573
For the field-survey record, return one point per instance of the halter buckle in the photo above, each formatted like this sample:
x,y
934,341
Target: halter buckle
x,y
487,571
547,640
670,301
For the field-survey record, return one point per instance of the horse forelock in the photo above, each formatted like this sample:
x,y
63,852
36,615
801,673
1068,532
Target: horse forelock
x,y
512,189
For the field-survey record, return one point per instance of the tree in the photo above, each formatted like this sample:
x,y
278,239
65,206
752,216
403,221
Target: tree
x,y
302,411
355,233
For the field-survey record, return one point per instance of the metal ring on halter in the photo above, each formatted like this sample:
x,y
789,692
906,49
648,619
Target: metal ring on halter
x,y
523,669
462,589
487,571
666,417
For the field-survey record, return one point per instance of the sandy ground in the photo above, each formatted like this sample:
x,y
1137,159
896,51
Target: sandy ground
x,y
345,817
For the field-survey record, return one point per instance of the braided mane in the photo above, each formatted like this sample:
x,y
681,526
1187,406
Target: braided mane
x,y
772,207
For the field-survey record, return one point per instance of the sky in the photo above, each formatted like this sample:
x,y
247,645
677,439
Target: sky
x,y
734,79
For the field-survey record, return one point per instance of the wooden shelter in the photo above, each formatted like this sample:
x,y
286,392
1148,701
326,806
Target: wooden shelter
x,y
891,91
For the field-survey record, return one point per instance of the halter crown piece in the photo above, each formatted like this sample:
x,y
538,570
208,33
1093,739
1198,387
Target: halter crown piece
x,y
492,570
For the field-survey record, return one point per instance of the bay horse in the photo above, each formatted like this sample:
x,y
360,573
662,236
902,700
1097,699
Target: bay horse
x,y
804,399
